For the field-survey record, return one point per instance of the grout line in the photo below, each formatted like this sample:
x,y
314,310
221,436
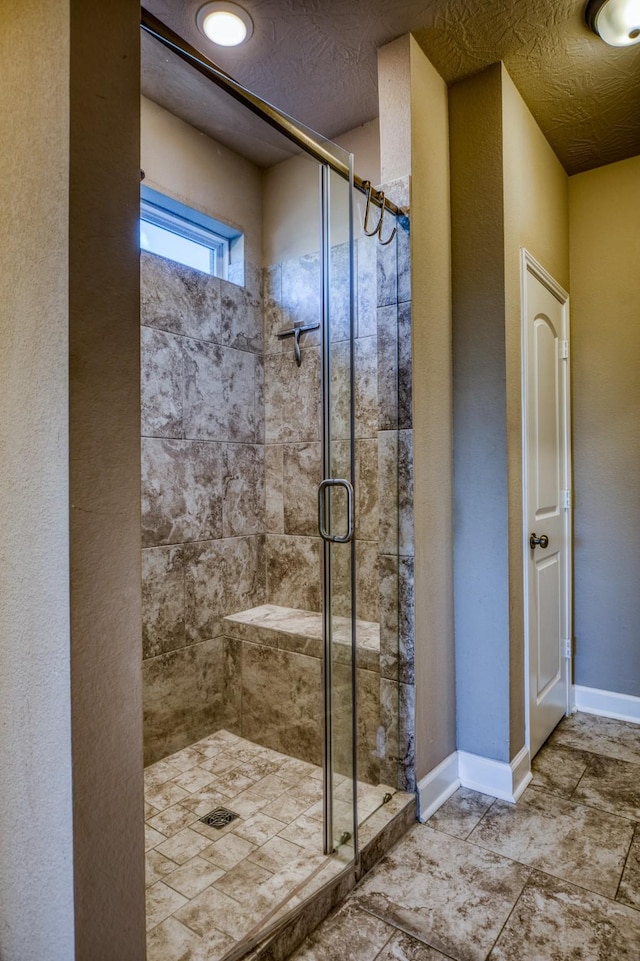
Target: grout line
x,y
624,866
397,926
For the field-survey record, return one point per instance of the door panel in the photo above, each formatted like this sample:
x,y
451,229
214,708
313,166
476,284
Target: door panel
x,y
547,475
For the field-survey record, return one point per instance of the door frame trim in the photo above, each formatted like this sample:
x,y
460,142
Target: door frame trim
x,y
528,264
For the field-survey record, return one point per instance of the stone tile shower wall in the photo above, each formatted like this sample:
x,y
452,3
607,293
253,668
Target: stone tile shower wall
x,y
203,494
231,466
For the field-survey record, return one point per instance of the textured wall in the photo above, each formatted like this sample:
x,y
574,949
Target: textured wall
x,y
605,330
105,481
509,191
36,876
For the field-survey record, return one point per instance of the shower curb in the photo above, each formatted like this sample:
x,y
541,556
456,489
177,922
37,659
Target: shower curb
x,y
376,839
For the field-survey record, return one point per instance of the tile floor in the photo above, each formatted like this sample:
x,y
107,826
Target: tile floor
x,y
208,889
554,878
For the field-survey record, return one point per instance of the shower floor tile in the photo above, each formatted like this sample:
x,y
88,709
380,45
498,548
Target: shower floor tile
x,y
210,889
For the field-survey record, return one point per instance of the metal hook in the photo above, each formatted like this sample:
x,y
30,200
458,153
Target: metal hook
x,y
383,243
376,230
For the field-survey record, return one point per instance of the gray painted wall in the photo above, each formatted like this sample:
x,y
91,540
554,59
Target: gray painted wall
x,y
605,328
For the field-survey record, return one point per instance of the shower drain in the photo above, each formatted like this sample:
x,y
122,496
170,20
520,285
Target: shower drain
x,y
219,818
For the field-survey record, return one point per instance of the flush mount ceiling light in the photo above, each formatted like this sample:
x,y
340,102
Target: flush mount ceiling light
x,y
226,24
617,22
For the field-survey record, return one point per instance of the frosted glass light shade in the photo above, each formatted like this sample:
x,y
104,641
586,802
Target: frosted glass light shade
x,y
617,22
226,24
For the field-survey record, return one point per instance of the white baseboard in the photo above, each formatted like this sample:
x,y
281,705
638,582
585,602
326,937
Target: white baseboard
x,y
438,786
622,707
496,778
482,774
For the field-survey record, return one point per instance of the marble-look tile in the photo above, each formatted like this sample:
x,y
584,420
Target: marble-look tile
x,y
600,735
179,299
402,947
406,737
152,837
259,400
387,367
305,831
629,890
161,384
243,504
367,489
173,941
366,386
228,851
367,287
219,396
161,902
405,492
162,600
389,616
302,473
276,852
558,769
444,891
182,697
406,621
240,318
556,921
367,581
270,715
230,917
339,293
164,795
565,839
157,866
274,488
232,694
273,313
301,294
258,829
241,881
387,271
193,877
172,820
390,768
293,571
388,491
292,397
221,577
183,846
404,259
611,785
405,413
350,934
181,491
461,813
286,808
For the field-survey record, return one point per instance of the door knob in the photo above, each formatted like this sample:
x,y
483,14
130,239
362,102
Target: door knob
x,y
535,541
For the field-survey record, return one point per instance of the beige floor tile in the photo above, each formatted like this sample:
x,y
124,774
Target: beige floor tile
x,y
559,836
162,901
194,779
212,905
152,837
228,851
308,789
183,846
158,773
193,877
246,803
203,801
402,947
275,853
349,935
461,813
173,941
558,769
286,808
172,820
187,758
233,782
557,921
629,890
157,866
443,891
258,828
304,831
611,785
220,764
164,795
241,882
600,735
271,786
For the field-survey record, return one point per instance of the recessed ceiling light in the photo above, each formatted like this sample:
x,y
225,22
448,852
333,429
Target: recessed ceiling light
x,y
617,22
226,24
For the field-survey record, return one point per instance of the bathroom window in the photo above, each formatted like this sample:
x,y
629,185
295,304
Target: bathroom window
x,y
189,237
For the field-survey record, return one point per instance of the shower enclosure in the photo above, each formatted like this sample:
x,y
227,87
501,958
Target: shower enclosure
x,y
277,546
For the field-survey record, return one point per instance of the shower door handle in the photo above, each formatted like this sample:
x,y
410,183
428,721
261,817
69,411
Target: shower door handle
x,y
322,489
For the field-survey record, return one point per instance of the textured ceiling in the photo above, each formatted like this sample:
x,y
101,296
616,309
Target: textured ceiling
x,y
316,60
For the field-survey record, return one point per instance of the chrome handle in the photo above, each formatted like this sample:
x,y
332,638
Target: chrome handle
x,y
535,541
324,486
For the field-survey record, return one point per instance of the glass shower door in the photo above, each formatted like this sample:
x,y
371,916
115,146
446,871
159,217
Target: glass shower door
x,y
336,517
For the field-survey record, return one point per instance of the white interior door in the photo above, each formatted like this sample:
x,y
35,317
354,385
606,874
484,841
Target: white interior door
x,y
547,496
